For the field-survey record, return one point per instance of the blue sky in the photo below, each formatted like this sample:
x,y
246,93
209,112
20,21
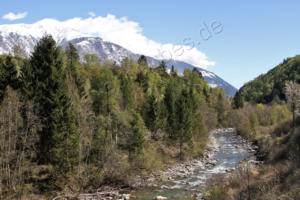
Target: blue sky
x,y
256,35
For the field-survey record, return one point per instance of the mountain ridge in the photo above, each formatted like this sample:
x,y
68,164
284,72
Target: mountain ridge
x,y
95,45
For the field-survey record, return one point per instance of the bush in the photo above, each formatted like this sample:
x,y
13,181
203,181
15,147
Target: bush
x,y
216,193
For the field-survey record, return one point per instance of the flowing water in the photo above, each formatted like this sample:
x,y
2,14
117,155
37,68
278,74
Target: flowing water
x,y
231,150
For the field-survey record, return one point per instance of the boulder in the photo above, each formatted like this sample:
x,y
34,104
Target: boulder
x,y
126,196
160,198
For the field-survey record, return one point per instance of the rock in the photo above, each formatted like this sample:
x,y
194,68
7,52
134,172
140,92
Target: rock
x,y
164,187
160,198
255,162
125,196
187,183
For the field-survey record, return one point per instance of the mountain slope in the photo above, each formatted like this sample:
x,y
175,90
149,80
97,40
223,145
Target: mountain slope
x,y
93,45
269,86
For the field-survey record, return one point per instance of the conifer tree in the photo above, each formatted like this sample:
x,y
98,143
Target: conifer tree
x,y
184,120
152,114
238,101
127,89
59,137
75,69
142,61
137,139
171,94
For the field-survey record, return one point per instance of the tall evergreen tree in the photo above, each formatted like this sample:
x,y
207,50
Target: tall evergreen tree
x,y
75,69
171,94
8,74
137,138
142,61
59,137
184,120
152,114
127,89
238,101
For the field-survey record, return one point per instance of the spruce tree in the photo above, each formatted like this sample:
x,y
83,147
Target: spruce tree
x,y
137,139
127,91
238,101
142,61
184,117
8,74
74,68
152,114
58,143
171,94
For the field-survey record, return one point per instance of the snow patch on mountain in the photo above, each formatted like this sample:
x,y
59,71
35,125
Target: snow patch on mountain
x,y
106,51
120,31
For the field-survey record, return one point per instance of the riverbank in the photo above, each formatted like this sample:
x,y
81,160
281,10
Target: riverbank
x,y
224,151
186,176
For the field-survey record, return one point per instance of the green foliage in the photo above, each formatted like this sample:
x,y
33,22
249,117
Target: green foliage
x,y
216,193
267,87
8,74
93,122
127,91
238,101
153,114
58,138
172,92
92,60
142,61
137,139
183,119
104,91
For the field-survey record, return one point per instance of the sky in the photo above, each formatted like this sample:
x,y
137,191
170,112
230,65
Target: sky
x,y
237,40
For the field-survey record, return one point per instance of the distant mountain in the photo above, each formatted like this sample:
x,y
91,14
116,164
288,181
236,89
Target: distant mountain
x,y
26,36
266,87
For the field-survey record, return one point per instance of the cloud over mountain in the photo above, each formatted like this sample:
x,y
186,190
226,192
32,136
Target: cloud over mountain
x,y
121,31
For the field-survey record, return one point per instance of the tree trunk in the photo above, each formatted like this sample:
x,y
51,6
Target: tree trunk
x,y
180,146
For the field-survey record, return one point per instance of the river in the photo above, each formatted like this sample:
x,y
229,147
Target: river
x,y
227,150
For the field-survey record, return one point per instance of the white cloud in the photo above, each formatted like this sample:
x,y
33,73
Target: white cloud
x,y
92,14
122,31
12,16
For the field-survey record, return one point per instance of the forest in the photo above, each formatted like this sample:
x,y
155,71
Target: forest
x,y
266,112
270,86
71,124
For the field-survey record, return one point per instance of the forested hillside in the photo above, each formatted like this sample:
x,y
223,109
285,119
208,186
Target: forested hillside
x,y
71,126
266,112
270,86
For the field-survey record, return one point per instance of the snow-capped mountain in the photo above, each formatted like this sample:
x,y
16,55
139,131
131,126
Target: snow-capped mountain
x,y
26,36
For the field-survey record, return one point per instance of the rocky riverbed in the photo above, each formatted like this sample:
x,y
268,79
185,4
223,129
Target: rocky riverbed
x,y
224,152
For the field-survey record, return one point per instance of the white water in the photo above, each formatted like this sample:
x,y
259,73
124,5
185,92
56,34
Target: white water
x,y
229,151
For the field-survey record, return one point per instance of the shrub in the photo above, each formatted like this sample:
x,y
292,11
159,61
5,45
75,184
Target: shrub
x,y
216,193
